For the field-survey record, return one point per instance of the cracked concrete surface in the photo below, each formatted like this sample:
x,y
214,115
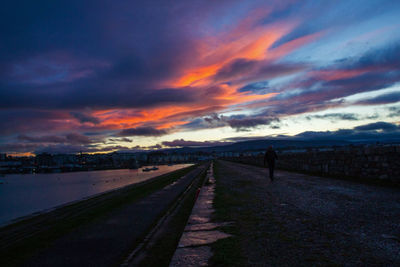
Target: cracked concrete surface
x,y
193,249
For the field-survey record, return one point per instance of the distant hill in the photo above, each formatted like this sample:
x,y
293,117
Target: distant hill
x,y
290,143
261,145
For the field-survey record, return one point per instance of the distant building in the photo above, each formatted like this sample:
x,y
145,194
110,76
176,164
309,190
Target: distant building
x,y
65,159
44,159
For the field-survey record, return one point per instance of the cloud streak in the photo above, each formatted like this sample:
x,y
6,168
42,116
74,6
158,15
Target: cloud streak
x,y
188,143
143,131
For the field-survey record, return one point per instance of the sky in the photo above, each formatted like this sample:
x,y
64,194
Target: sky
x,y
103,76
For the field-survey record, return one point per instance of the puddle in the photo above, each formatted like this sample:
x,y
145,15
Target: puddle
x,y
204,226
199,238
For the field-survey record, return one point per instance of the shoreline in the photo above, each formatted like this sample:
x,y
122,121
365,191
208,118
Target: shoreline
x,y
70,202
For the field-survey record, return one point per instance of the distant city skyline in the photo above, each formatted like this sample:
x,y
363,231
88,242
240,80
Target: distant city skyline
x,y
131,75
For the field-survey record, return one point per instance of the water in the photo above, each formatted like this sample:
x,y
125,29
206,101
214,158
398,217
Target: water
x,y
24,194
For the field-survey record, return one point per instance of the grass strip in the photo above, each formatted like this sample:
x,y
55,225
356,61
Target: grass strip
x,y
161,253
39,232
228,251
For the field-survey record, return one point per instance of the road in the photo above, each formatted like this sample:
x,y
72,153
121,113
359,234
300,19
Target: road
x,y
306,220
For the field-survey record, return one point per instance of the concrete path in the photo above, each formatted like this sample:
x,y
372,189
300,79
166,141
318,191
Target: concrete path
x,y
193,248
306,220
107,241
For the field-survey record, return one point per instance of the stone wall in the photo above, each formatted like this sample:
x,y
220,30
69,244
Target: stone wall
x,y
370,162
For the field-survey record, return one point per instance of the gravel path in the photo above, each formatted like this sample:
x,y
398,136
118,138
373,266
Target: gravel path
x,y
306,220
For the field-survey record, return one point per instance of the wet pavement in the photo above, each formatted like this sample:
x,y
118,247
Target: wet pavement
x,y
193,248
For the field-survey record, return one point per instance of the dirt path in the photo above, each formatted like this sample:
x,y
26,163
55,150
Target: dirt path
x,y
303,220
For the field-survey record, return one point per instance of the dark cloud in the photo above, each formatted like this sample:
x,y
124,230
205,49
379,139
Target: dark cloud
x,y
71,144
195,112
69,55
369,81
124,139
243,70
378,126
157,146
237,67
336,116
381,99
95,93
187,143
84,117
29,121
394,112
71,138
42,139
379,131
143,131
383,57
247,123
202,123
213,118
97,27
244,138
273,70
77,138
257,88
240,122
17,147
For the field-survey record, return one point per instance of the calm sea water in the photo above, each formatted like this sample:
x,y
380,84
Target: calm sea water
x,y
24,194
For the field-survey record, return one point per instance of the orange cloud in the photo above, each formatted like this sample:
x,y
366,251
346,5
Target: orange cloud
x,y
249,40
196,76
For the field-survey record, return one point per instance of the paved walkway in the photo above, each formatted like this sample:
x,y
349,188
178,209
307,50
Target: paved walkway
x,y
306,220
200,232
105,242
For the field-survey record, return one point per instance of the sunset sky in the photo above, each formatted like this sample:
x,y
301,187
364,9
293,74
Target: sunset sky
x,y
100,76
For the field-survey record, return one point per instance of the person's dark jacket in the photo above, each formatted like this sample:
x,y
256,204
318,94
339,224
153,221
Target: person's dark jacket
x,y
270,157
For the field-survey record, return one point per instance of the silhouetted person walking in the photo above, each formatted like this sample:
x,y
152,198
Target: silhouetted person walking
x,y
270,157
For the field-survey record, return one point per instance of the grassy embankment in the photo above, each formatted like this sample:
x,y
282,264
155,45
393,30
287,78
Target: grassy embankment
x,y
20,240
